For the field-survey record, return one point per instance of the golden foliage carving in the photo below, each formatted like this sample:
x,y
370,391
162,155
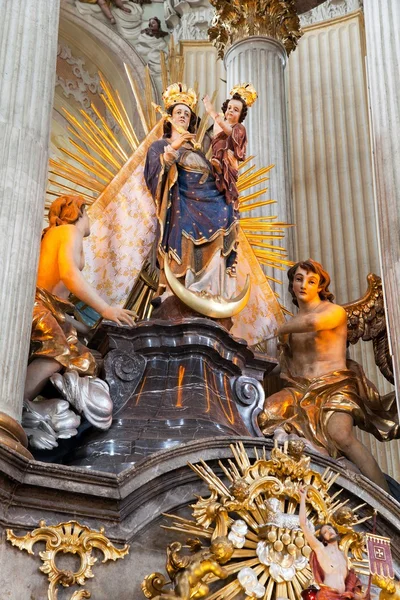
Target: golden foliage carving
x,y
236,20
67,538
255,506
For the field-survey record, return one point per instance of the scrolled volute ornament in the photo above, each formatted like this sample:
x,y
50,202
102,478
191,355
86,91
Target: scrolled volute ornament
x,y
128,366
123,373
248,390
68,538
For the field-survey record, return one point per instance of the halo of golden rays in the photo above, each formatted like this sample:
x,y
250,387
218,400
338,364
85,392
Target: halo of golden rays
x,y
262,496
98,155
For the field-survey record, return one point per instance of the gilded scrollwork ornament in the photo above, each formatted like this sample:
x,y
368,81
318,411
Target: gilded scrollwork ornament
x,y
255,507
67,538
235,20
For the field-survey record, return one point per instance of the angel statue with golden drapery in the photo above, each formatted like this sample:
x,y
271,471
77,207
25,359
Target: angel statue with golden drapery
x,y
325,393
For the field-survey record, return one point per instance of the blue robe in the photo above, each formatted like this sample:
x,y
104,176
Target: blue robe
x,y
195,220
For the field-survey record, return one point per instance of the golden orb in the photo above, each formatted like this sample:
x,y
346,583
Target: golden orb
x,y
292,549
299,541
271,536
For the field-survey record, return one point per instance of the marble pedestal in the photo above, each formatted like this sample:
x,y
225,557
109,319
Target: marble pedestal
x,y
172,382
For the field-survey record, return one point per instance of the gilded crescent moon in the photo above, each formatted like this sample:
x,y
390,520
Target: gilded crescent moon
x,y
209,307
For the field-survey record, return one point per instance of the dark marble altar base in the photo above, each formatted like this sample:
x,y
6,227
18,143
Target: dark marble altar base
x,y
172,382
173,309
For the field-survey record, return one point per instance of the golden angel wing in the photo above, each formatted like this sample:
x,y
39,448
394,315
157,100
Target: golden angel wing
x,y
366,321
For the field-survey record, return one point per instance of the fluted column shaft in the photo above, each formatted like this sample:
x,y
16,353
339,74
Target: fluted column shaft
x,y
382,26
28,50
261,60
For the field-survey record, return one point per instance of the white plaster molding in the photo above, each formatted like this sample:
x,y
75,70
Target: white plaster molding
x,y
149,49
92,83
128,25
194,25
83,82
188,19
119,49
330,9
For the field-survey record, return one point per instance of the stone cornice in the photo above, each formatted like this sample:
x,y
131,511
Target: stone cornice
x,y
124,503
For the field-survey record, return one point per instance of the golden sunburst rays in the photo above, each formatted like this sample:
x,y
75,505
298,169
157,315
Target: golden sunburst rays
x,y
255,503
144,101
98,153
261,231
172,66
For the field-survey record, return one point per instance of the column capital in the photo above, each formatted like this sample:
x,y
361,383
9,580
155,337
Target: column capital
x,y
249,18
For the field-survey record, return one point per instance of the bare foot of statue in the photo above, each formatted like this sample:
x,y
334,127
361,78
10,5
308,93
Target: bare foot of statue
x,y
120,4
107,11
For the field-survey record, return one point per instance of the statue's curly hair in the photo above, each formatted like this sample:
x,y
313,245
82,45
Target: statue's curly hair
x,y
314,267
65,210
192,122
236,96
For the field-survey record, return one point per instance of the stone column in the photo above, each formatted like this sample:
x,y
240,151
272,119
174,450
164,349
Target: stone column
x,y
28,49
261,60
382,25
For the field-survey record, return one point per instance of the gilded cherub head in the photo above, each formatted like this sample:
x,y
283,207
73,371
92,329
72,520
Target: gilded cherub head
x,y
222,548
239,490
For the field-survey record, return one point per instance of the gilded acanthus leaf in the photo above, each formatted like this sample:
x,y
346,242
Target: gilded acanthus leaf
x,y
236,20
68,538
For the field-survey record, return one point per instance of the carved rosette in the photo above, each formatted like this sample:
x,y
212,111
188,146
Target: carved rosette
x,y
235,21
123,372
